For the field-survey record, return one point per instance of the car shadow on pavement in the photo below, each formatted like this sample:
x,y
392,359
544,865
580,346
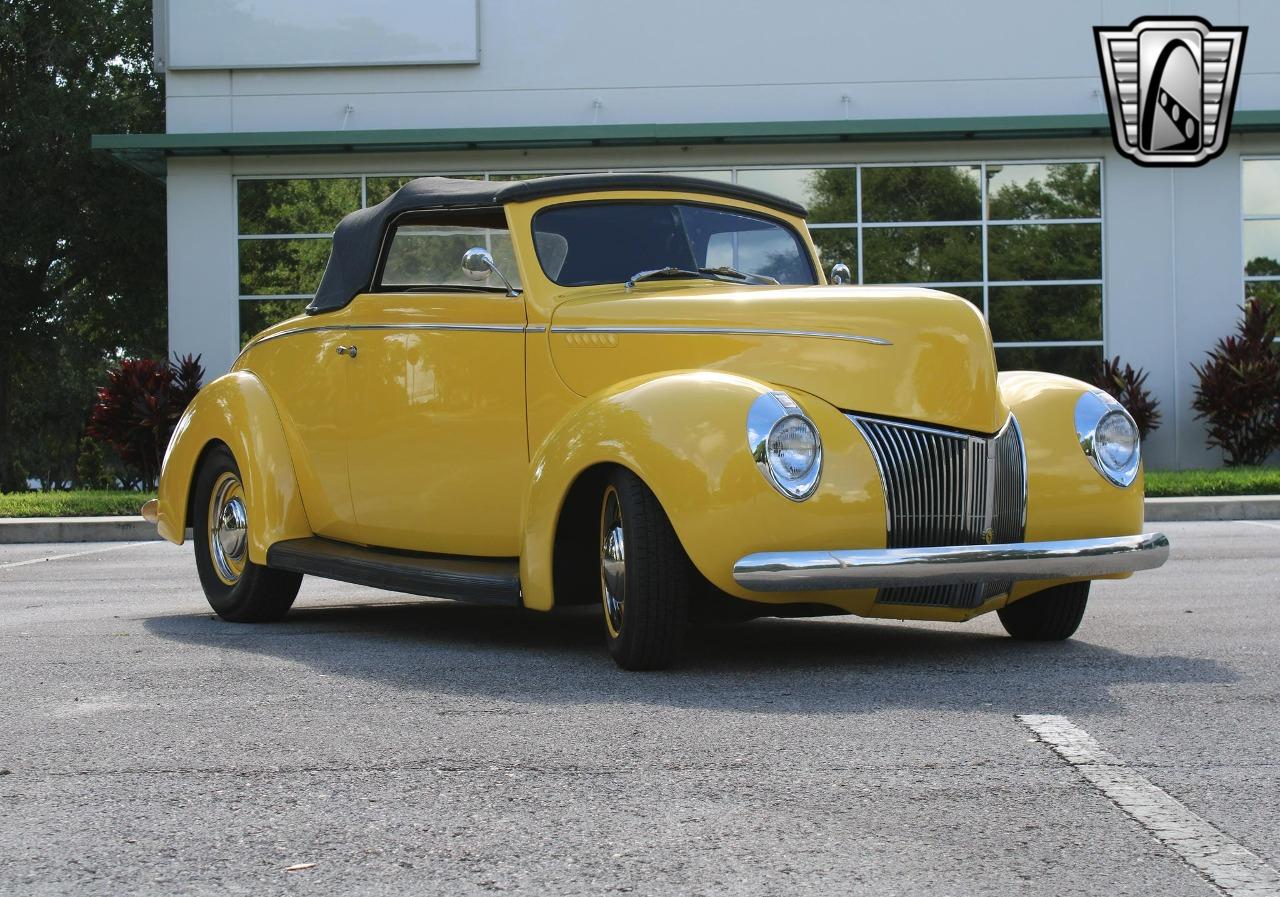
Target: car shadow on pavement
x,y
824,665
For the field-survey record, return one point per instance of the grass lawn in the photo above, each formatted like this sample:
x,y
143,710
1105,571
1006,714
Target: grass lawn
x,y
106,503
114,503
1227,481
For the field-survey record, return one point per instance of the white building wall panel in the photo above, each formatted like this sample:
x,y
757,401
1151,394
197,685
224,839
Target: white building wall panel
x,y
667,61
213,34
203,313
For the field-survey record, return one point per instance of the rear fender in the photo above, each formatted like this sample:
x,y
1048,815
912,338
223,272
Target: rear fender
x,y
234,410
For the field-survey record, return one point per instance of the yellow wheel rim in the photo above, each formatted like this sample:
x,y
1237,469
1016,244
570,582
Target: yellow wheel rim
x,y
228,529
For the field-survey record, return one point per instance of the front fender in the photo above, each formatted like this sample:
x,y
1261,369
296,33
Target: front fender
x,y
1066,497
236,410
684,434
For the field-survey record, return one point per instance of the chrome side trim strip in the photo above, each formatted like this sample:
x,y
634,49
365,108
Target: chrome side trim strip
x,y
801,571
496,328
723,331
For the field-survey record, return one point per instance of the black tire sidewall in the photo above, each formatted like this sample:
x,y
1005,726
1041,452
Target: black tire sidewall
x,y
222,597
657,578
261,594
1048,616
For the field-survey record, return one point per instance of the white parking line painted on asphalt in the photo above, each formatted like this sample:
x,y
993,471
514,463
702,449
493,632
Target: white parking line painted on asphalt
x,y
1261,523
74,554
1235,870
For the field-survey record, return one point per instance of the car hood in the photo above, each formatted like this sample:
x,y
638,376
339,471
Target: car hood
x,y
898,352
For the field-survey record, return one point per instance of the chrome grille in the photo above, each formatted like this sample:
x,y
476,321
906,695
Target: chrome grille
x,y
944,487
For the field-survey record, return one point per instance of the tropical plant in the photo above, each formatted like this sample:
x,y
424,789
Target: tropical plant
x,y
1238,393
140,405
1128,387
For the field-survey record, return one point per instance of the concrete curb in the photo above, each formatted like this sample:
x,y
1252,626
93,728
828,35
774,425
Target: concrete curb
x,y
134,529
1220,507
76,529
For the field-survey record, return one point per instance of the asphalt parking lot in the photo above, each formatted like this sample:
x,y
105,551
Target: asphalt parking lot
x,y
406,746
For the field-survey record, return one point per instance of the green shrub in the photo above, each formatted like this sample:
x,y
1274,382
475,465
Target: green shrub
x,y
91,466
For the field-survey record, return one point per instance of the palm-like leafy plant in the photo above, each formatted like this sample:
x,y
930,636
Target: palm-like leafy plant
x,y
1238,394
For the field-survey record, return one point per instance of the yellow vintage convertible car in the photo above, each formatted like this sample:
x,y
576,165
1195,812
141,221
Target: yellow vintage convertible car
x,y
640,390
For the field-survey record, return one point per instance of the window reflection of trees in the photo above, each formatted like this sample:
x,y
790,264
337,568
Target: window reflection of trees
x,y
973,227
925,224
1261,194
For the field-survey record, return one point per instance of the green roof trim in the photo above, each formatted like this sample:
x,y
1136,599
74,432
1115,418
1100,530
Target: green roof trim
x,y
149,152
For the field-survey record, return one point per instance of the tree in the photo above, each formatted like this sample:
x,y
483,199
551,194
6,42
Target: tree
x,y
82,237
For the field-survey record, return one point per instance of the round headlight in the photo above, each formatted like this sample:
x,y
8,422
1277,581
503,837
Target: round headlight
x,y
1108,437
1116,440
785,445
792,448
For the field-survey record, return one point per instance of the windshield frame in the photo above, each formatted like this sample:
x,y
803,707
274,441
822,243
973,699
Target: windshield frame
x,y
806,250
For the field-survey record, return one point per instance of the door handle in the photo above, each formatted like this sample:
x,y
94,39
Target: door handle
x,y
347,350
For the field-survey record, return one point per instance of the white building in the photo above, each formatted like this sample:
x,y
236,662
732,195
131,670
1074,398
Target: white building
x,y
284,114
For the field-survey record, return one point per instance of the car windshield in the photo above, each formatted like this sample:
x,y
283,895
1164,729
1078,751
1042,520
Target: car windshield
x,y
583,244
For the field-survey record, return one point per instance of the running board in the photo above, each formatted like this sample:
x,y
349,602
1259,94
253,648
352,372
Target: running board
x,y
477,580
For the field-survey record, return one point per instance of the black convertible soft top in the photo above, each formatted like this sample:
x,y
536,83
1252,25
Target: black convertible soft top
x,y
357,239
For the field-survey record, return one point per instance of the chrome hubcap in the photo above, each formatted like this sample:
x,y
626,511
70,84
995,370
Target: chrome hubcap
x,y
613,562
228,529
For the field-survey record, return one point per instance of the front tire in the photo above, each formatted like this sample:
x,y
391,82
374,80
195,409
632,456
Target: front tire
x,y
237,589
1049,616
645,576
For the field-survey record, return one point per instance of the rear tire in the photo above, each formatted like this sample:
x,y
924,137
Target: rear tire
x,y
646,579
237,589
1049,616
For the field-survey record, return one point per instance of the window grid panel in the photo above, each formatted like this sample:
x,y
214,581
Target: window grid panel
x,y
1248,278
1049,344
858,225
985,222
927,223
857,179
1102,256
935,284
284,236
1065,282
1045,221
267,297
985,186
941,284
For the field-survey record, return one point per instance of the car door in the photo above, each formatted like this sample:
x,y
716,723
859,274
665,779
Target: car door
x,y
437,448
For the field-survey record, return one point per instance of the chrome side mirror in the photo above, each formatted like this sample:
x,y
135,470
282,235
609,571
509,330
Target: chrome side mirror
x,y
840,274
478,264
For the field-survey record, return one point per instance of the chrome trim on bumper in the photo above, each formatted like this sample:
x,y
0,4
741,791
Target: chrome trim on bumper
x,y
801,571
150,511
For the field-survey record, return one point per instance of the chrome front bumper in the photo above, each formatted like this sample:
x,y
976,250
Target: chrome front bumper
x,y
802,571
